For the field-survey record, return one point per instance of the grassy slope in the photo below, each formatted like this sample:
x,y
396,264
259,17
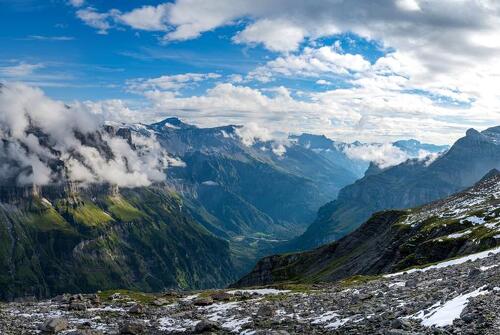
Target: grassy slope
x,y
139,240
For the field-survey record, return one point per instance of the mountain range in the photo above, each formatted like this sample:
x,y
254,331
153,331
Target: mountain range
x,y
409,184
258,193
86,206
395,240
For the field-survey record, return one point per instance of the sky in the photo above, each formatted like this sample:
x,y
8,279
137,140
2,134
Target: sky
x,y
369,70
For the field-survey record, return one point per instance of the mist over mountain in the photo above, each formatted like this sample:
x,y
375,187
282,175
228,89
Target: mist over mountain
x,y
45,141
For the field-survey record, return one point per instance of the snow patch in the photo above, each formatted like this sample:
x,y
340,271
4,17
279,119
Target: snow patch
x,y
338,323
234,324
458,235
475,220
444,315
262,291
323,318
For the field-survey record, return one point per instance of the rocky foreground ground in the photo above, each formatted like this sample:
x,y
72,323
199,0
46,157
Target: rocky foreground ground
x,y
455,297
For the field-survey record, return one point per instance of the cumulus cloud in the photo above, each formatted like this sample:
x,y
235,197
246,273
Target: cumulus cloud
x,y
149,18
312,62
100,21
46,141
275,35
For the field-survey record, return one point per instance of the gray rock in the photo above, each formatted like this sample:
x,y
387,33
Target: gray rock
x,y
132,328
411,283
136,309
221,296
77,306
160,302
54,325
265,311
474,272
205,326
203,301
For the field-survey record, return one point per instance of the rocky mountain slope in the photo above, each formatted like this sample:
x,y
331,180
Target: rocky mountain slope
x,y
70,239
409,184
459,297
393,240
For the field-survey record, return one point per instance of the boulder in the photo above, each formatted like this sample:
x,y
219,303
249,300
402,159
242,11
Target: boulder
x,y
54,325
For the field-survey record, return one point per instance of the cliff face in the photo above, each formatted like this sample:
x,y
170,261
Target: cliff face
x,y
71,239
394,240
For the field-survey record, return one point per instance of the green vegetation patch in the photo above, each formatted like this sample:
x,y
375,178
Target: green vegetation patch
x,y
435,222
49,219
122,209
90,215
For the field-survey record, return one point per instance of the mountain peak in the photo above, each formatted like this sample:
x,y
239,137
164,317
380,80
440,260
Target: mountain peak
x,y
313,141
373,169
172,123
492,173
472,132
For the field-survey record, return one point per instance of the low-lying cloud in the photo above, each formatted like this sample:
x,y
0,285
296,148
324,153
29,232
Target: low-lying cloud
x,y
45,141
385,155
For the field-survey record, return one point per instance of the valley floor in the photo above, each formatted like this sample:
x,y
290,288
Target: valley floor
x,y
454,297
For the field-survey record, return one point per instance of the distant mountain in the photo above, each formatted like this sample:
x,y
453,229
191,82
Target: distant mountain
x,y
408,184
346,154
395,240
332,151
414,147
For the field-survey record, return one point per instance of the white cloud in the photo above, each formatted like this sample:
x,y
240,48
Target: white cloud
x,y
384,155
323,82
275,35
312,62
146,18
253,132
409,5
94,19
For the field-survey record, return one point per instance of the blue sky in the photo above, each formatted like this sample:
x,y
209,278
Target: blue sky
x,y
351,70
78,63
